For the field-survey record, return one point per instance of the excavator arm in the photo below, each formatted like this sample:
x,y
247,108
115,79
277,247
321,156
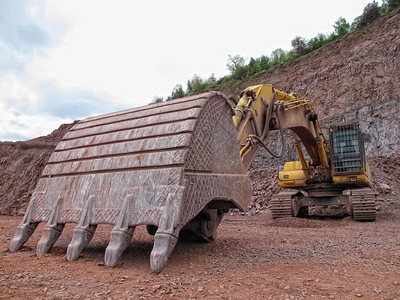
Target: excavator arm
x,y
262,109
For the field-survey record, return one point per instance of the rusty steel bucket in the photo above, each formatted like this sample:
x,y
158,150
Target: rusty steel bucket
x,y
174,167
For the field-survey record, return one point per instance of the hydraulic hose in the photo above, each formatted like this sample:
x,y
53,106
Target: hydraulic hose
x,y
261,141
265,134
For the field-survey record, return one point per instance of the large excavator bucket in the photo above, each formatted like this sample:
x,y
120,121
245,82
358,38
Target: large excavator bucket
x,y
173,166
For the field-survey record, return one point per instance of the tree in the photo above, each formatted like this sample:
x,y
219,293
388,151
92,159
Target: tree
x,y
316,42
177,92
237,66
341,27
355,23
299,46
371,13
196,85
253,66
235,63
212,79
388,6
265,63
157,99
278,56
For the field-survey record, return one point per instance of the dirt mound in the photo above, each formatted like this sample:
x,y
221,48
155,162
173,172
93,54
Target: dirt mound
x,y
386,175
21,165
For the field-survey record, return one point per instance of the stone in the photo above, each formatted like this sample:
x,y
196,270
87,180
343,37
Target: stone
x,y
385,187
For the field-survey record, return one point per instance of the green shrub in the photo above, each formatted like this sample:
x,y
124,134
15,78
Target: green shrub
x,y
157,99
316,42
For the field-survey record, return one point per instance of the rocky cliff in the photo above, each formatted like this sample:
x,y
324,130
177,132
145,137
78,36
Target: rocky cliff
x,y
354,78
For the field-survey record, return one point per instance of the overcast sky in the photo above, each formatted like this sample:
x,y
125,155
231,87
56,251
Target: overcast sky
x,y
66,60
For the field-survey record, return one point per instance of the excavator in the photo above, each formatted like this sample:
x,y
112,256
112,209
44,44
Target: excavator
x,y
178,166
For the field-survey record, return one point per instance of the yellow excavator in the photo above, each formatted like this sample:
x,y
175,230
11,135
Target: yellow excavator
x,y
177,167
336,171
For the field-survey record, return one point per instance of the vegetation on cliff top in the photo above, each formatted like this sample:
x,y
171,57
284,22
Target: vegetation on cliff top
x,y
240,69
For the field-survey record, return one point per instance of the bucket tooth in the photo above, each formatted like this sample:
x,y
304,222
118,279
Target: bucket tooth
x,y
50,235
164,243
119,241
167,234
22,234
24,230
121,235
52,230
83,232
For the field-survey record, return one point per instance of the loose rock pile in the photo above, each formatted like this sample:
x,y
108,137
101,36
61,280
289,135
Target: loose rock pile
x,y
264,184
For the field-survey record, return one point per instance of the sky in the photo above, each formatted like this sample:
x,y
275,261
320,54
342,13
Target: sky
x,y
66,60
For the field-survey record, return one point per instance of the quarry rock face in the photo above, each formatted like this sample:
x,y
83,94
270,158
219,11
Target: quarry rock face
x,y
355,77
380,123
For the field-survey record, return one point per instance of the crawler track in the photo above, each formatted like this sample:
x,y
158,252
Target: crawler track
x,y
363,205
281,205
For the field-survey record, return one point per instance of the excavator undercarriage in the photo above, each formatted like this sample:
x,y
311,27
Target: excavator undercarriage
x,y
361,202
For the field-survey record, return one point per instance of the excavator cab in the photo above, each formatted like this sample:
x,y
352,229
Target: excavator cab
x,y
347,155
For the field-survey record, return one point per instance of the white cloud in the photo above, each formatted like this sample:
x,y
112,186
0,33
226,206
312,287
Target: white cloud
x,y
18,125
16,89
20,113
63,60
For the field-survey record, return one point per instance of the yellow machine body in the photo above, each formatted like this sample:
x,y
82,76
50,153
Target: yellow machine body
x,y
332,171
292,175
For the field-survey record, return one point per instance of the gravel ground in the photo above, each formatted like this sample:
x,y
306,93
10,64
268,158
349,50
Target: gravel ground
x,y
254,257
